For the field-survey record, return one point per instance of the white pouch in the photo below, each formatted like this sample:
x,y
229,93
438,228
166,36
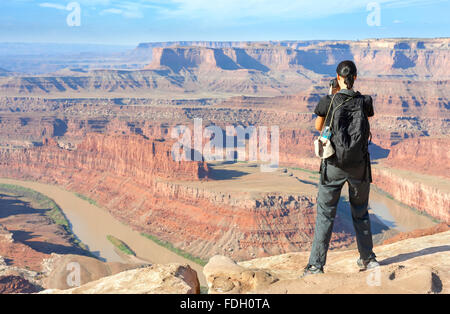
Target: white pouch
x,y
323,148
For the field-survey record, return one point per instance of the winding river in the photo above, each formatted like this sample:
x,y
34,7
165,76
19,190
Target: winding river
x,y
91,224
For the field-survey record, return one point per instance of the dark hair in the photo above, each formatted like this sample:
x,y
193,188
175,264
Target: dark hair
x,y
347,69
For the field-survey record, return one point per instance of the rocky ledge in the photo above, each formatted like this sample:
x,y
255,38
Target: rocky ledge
x,y
418,265
415,265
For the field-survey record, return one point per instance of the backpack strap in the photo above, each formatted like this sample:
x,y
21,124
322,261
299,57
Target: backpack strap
x,y
323,163
334,111
329,108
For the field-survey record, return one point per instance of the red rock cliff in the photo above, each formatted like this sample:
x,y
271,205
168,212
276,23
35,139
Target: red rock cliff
x,y
131,155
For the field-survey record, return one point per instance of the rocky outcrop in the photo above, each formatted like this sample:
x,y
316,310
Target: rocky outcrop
x,y
18,280
16,284
154,279
5,235
416,265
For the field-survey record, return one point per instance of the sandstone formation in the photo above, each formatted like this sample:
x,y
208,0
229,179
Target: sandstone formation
x,y
418,265
154,279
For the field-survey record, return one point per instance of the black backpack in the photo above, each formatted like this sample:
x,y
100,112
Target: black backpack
x,y
350,132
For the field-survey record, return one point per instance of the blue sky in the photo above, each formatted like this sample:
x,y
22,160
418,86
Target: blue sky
x,y
132,22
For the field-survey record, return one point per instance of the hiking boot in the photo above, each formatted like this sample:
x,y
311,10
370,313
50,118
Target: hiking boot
x,y
365,264
311,270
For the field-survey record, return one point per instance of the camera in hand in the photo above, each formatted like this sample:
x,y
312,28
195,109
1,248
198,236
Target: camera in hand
x,y
334,83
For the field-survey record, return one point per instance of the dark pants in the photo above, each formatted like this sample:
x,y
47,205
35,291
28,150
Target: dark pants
x,y
331,182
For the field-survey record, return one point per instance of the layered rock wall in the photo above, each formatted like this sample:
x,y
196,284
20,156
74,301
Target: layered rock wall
x,y
430,156
132,156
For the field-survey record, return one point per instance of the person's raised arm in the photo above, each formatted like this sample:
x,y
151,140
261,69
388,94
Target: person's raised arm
x,y
319,123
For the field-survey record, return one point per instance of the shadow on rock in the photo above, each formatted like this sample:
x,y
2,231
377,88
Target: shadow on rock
x,y
406,256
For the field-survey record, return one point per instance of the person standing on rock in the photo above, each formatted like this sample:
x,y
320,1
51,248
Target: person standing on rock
x,y
345,115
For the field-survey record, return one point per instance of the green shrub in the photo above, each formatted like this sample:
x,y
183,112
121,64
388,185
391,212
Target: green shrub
x,y
178,251
90,200
120,245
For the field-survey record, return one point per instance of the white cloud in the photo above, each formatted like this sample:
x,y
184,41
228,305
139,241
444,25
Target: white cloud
x,y
112,11
410,3
52,5
86,3
126,9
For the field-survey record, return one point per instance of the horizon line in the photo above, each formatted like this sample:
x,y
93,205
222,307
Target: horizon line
x,y
222,41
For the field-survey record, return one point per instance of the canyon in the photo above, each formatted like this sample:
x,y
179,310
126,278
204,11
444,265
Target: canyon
x,y
106,133
135,182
